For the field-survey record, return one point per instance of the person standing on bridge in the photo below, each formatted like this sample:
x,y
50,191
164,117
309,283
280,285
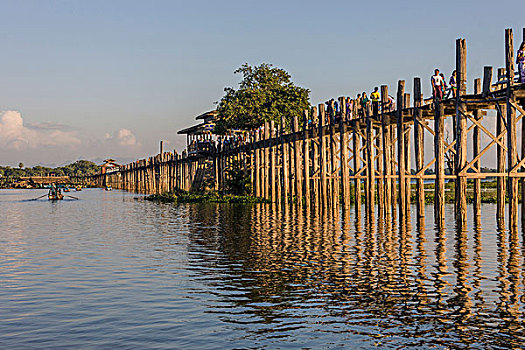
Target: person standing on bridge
x,y
520,60
437,85
375,101
453,85
364,103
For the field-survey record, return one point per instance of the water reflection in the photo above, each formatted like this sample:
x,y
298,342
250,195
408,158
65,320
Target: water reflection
x,y
340,273
256,276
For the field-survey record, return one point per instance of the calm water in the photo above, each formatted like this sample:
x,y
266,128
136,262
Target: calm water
x,y
111,271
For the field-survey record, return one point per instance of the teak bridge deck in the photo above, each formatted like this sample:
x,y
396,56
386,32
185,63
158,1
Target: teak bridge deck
x,y
331,160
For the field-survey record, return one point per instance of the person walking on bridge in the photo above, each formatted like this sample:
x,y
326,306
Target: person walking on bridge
x,y
437,85
375,101
520,60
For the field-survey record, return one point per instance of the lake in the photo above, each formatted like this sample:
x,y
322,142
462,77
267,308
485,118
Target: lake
x,y
112,270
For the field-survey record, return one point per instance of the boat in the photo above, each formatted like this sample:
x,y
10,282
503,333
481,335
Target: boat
x,y
54,193
108,188
66,189
78,188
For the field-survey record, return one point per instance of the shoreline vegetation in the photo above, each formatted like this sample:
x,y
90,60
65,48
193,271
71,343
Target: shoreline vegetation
x,y
488,195
180,196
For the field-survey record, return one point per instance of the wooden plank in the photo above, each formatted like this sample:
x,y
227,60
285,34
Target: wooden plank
x,y
487,80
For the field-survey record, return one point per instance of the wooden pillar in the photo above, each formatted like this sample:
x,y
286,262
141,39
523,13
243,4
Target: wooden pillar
x,y
476,147
461,132
511,130
401,150
258,187
266,161
343,154
357,164
387,144
370,210
333,173
408,179
273,166
284,162
298,161
322,156
315,157
419,147
439,148
501,155
306,158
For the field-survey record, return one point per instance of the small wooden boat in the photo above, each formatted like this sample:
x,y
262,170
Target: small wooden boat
x,y
55,197
54,193
66,189
78,188
108,188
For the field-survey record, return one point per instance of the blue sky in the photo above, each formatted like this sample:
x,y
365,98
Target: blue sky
x,y
95,79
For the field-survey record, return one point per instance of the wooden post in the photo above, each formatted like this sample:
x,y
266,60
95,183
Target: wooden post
x,y
343,154
322,156
370,210
333,176
297,161
315,160
258,189
357,164
273,167
387,160
266,167
511,130
419,147
306,158
501,155
461,127
476,147
408,191
284,162
439,148
401,150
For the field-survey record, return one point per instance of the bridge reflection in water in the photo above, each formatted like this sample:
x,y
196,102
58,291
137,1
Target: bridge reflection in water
x,y
291,273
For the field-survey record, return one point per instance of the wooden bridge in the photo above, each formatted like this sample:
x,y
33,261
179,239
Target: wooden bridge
x,y
327,159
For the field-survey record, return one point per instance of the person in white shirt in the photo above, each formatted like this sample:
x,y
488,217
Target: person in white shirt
x,y
437,85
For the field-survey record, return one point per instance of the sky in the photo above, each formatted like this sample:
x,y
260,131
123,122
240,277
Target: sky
x,y
99,79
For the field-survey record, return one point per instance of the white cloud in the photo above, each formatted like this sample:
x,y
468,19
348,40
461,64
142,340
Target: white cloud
x,y
123,137
17,136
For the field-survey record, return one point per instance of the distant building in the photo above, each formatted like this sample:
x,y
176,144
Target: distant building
x,y
109,166
201,131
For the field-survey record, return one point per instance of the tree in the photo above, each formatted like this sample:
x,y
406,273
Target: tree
x,y
265,93
21,165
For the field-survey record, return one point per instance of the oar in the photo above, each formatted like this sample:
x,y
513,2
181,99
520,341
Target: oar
x,y
72,197
34,199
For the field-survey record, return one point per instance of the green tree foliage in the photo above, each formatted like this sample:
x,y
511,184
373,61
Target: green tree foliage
x,y
79,168
265,93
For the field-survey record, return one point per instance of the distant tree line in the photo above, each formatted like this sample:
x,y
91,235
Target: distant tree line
x,y
78,168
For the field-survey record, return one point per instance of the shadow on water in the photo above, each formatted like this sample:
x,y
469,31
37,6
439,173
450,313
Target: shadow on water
x,y
290,272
